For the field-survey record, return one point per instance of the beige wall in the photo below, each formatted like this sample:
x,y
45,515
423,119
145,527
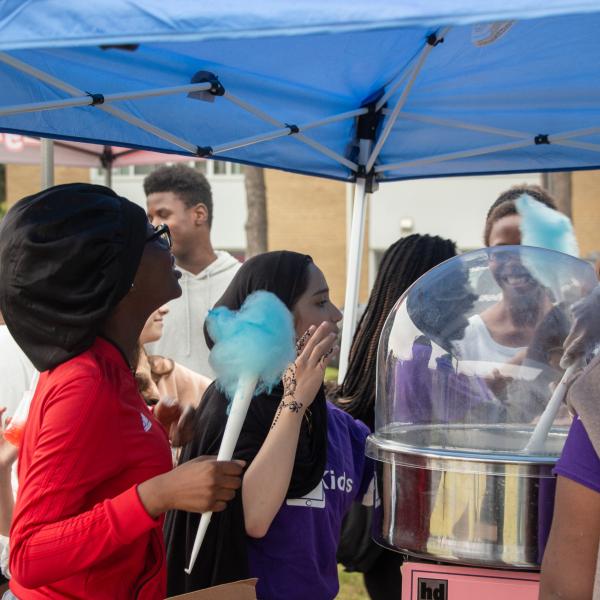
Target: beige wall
x,y
585,206
308,214
23,180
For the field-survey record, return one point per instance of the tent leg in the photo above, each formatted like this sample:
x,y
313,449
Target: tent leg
x,y
47,150
108,176
357,235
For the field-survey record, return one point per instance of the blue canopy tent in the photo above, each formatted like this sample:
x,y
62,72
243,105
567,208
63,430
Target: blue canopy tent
x,y
360,92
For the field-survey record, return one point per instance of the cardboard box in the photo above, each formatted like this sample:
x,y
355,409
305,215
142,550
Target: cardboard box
x,y
239,590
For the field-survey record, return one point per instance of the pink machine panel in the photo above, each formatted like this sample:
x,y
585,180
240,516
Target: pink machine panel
x,y
422,581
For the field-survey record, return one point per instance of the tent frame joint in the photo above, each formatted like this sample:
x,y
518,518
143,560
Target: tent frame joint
x,y
434,40
96,98
368,124
216,87
367,127
293,128
541,138
107,157
204,151
370,178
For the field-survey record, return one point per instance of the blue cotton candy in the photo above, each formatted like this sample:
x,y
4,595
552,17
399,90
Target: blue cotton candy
x,y
544,227
259,340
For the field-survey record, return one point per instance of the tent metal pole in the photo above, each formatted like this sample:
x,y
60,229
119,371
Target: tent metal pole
x,y
88,100
47,151
327,152
351,114
576,133
575,144
107,160
251,141
461,125
257,112
430,160
115,112
108,176
40,106
161,133
392,90
157,131
45,77
402,100
353,264
282,132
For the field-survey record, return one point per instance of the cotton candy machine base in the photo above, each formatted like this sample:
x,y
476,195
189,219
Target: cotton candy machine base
x,y
422,581
440,501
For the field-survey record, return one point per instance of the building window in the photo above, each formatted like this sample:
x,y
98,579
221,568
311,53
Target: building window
x,y
199,165
144,169
210,168
219,167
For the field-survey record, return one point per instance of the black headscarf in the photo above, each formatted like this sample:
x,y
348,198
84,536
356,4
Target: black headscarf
x,y
223,556
68,255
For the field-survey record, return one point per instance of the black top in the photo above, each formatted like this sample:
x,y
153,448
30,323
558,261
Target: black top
x,y
223,556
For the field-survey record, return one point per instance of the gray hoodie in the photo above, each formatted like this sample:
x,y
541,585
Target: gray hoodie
x,y
183,335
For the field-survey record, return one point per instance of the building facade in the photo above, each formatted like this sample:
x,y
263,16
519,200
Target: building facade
x,y
312,215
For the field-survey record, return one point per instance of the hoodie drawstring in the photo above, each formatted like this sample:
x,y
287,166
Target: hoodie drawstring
x,y
188,319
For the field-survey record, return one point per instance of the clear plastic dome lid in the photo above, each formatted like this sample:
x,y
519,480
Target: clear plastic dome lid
x,y
469,356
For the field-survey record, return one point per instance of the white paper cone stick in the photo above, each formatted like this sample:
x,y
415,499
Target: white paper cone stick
x,y
542,429
237,416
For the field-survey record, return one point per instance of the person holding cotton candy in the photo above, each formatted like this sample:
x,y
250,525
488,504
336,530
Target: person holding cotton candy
x,y
306,462
81,270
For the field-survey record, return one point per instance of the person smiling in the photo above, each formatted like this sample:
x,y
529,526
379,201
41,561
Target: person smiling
x,y
503,331
81,270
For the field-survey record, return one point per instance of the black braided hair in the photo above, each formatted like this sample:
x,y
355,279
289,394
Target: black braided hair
x,y
402,264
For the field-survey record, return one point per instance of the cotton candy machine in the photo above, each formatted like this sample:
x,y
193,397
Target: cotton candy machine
x,y
467,362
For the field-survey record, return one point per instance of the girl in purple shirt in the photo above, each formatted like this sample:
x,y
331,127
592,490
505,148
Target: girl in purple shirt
x,y
306,462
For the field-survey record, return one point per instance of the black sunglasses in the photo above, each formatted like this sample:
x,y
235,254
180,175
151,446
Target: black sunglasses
x,y
162,235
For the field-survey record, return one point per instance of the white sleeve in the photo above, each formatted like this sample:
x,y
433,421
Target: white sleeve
x,y
4,556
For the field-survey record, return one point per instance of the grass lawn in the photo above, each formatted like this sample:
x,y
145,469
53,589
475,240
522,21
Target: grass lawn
x,y
331,374
351,586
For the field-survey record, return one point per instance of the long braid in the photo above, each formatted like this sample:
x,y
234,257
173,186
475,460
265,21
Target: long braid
x,y
402,264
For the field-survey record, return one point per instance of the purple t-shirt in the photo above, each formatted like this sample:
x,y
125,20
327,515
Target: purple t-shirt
x,y
579,460
296,559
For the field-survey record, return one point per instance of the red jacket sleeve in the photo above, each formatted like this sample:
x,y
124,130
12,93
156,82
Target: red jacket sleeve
x,y
77,449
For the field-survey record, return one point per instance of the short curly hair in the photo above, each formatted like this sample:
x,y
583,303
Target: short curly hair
x,y
505,205
190,186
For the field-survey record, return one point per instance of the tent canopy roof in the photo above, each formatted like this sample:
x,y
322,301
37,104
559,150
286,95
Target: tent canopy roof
x,y
444,88
69,23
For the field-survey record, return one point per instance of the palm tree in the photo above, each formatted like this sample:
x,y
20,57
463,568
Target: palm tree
x,y
256,202
559,186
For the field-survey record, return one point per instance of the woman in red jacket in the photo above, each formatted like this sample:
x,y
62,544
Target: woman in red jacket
x,y
81,269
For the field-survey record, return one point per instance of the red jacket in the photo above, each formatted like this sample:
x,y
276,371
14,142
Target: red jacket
x,y
79,528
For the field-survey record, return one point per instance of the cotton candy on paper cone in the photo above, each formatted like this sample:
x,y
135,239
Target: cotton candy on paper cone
x,y
544,227
253,347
